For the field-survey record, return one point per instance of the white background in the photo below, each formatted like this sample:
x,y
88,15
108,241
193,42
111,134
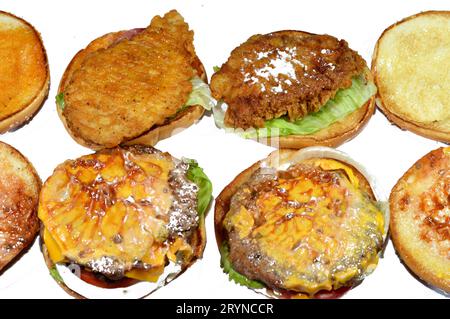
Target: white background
x,y
219,26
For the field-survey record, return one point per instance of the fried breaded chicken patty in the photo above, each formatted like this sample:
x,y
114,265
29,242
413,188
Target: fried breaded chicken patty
x,y
124,90
283,73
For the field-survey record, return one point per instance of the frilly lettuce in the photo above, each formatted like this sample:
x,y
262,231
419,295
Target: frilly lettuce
x,y
233,274
200,95
196,175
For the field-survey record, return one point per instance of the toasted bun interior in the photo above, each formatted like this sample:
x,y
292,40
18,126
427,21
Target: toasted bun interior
x,y
419,205
19,189
410,66
24,73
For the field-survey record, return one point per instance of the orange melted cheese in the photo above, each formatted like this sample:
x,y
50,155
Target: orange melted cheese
x,y
112,203
319,233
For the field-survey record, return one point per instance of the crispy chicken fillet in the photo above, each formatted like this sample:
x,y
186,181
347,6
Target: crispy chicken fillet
x,y
124,90
283,73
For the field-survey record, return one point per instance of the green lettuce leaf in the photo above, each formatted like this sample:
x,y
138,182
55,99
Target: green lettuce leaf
x,y
60,100
200,95
233,274
345,102
196,175
216,68
55,274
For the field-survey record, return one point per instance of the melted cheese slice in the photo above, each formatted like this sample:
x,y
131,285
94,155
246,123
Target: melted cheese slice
x,y
111,203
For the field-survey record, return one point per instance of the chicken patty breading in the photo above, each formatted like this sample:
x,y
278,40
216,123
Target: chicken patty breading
x,y
124,90
283,73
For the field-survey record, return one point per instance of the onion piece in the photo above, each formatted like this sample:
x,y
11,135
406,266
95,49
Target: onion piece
x,y
136,291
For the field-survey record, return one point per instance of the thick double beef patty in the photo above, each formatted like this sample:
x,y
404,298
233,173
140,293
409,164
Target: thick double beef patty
x,y
283,73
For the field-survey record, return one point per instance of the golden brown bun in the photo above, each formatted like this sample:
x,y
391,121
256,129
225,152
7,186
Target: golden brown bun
x,y
24,86
183,120
19,189
419,234
410,64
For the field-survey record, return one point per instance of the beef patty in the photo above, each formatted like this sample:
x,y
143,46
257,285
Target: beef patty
x,y
283,73
305,229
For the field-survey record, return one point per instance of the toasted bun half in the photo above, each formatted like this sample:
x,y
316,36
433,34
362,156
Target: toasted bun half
x,y
419,205
19,196
410,64
282,159
181,121
24,72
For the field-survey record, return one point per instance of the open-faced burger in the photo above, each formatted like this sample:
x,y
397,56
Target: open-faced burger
x,y
300,224
293,89
123,222
134,87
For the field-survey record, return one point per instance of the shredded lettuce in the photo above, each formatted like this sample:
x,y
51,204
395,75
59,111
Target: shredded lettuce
x,y
196,175
216,68
345,102
60,100
233,274
200,95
